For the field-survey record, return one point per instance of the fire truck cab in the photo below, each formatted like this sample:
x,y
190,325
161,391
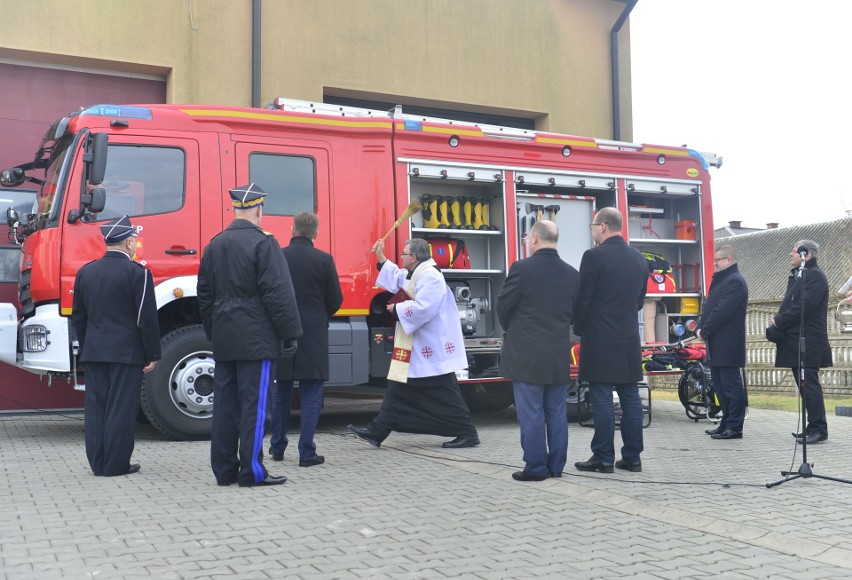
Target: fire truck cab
x,y
169,167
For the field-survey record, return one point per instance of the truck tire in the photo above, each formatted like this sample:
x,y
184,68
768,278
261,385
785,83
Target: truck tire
x,y
177,396
579,409
488,397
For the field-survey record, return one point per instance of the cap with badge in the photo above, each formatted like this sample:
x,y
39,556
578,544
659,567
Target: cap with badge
x,y
117,230
247,196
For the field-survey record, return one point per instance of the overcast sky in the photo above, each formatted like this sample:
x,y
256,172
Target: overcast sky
x,y
764,84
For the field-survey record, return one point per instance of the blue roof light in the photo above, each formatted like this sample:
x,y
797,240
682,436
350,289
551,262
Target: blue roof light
x,y
701,159
119,111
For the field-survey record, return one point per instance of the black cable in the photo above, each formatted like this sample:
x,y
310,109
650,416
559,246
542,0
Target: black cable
x,y
577,475
40,411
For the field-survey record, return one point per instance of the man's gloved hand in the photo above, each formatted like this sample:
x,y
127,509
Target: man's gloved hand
x,y
289,347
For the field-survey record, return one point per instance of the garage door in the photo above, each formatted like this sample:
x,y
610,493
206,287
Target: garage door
x,y
32,98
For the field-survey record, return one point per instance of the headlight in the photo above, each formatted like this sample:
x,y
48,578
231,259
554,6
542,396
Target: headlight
x,y
34,338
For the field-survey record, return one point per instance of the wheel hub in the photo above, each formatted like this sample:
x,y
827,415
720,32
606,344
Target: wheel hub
x,y
191,385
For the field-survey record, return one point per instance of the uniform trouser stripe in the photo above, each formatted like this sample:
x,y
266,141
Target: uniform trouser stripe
x,y
260,420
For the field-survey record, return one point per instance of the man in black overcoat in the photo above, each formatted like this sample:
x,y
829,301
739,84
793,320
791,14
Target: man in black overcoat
x,y
784,330
248,310
613,281
722,326
115,318
536,308
318,297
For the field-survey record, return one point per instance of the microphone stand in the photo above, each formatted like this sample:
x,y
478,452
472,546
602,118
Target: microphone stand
x,y
804,470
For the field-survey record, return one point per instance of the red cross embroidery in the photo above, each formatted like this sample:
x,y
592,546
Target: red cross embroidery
x,y
450,348
427,352
409,311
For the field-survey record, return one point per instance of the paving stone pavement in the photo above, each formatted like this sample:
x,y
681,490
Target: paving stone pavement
x,y
700,508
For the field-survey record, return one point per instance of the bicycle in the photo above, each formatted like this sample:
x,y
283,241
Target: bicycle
x,y
695,387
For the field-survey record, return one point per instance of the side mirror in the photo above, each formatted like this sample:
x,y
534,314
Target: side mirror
x,y
12,177
96,157
98,202
12,219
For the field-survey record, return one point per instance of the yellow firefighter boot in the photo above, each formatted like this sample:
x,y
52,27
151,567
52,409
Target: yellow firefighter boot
x,y
442,213
468,209
430,212
477,215
455,212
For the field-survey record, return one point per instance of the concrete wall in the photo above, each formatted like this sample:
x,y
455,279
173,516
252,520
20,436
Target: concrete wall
x,y
543,59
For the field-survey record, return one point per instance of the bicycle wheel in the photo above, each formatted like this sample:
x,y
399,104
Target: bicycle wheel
x,y
691,391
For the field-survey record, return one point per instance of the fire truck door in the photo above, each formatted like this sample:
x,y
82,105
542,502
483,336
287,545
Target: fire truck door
x,y
156,183
296,179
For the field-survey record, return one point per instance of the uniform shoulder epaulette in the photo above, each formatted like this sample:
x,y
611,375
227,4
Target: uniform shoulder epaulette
x,y
267,233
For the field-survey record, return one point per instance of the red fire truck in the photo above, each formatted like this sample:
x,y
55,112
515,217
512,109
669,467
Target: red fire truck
x,y
169,167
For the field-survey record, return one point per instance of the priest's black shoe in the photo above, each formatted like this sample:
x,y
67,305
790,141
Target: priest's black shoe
x,y
311,461
463,441
524,476
594,465
728,434
715,431
134,468
365,434
270,480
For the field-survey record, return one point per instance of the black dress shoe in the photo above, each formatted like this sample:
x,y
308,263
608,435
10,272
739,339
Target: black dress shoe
x,y
463,441
315,460
634,467
524,476
728,434
365,434
227,483
270,480
715,431
276,456
135,467
812,438
594,465
555,474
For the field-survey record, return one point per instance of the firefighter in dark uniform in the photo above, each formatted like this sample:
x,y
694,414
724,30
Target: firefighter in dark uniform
x,y
115,318
248,309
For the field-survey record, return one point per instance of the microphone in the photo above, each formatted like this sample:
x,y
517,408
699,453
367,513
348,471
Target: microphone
x,y
803,254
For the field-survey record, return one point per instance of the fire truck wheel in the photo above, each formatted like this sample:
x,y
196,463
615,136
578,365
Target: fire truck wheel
x,y
488,397
177,396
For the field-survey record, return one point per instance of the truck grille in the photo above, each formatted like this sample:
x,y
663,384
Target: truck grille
x,y
24,297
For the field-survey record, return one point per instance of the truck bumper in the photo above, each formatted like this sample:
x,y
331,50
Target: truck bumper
x,y
52,329
8,334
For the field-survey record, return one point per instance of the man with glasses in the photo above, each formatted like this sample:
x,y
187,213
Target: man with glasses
x,y
722,327
613,282
423,393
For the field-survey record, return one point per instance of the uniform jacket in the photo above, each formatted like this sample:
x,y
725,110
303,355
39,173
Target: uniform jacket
x,y
115,312
788,320
722,323
318,296
432,319
536,308
245,294
613,280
